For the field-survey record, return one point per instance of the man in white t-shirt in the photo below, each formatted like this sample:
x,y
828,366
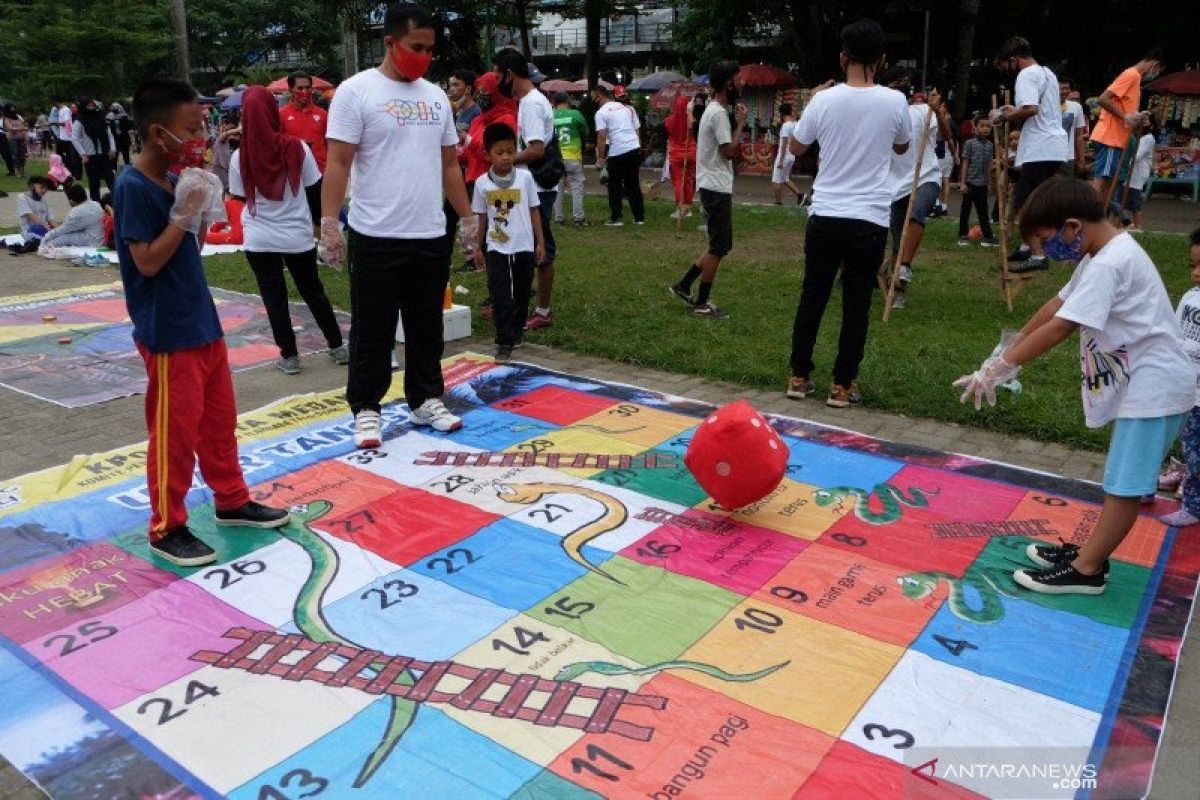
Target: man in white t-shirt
x,y
619,153
858,125
716,148
1044,145
536,145
781,174
393,133
1075,124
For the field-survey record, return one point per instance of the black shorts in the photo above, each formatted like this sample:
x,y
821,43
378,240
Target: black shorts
x,y
313,194
1033,175
718,208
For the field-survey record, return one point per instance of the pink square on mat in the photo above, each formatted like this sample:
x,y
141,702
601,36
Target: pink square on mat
x,y
115,657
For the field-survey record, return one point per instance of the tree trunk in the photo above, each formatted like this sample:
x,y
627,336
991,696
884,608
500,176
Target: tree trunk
x,y
349,44
968,14
523,23
593,15
180,32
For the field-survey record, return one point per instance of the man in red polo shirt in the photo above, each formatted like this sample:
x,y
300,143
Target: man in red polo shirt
x,y
307,121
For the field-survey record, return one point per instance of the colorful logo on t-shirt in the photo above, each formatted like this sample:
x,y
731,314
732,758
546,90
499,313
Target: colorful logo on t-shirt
x,y
1105,377
501,202
413,112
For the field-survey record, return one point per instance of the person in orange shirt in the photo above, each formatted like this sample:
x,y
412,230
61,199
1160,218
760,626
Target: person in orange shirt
x,y
307,121
1119,113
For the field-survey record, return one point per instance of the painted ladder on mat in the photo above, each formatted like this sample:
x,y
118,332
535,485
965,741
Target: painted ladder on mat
x,y
552,712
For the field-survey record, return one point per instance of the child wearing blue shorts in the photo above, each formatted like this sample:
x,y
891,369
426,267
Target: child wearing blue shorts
x,y
1135,371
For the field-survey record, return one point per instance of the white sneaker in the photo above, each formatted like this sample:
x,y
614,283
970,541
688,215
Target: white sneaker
x,y
433,412
905,275
368,429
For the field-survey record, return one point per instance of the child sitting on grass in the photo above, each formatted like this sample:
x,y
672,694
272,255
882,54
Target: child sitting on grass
x,y
510,229
1135,370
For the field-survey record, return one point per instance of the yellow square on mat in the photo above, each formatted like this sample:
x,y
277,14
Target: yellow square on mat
x,y
642,425
569,444
830,672
789,509
549,649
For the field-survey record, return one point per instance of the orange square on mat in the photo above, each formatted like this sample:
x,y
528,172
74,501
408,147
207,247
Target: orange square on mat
x,y
1074,520
852,592
849,771
704,744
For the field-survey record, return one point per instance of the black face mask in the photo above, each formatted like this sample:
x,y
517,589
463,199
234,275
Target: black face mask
x,y
484,101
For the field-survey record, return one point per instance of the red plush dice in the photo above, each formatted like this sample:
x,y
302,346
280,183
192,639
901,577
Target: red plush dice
x,y
736,456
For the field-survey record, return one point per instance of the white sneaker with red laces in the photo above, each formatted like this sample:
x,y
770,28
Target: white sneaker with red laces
x,y
368,429
433,413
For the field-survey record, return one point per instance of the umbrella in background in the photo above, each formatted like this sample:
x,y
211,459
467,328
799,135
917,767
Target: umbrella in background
x,y
655,81
582,86
765,75
228,90
664,98
280,86
557,85
1186,82
232,101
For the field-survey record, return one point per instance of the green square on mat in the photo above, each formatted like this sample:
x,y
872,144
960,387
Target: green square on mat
x,y
231,543
673,484
651,616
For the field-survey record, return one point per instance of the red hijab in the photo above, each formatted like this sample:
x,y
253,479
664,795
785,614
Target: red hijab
x,y
268,158
503,109
677,122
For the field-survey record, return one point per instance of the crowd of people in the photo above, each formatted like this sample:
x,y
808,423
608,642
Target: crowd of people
x,y
482,168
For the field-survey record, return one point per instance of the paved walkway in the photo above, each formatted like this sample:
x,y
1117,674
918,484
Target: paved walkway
x,y
35,434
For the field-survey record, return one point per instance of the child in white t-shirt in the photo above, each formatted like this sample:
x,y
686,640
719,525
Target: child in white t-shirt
x,y
1134,367
510,231
1188,314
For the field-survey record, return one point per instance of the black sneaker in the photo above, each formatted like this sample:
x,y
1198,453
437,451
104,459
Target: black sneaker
x,y
1020,254
1031,264
180,547
684,296
1049,556
254,515
1063,579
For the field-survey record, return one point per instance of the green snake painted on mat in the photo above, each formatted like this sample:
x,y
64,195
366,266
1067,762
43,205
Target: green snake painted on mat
x,y
572,671
311,621
989,584
889,496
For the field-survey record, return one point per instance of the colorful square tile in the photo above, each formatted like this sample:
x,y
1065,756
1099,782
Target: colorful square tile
x,y
582,453
704,744
407,525
737,556
856,593
96,579
827,672
510,564
555,404
644,613
849,771
656,473
827,467
104,655
792,508
907,542
637,424
1052,518
955,496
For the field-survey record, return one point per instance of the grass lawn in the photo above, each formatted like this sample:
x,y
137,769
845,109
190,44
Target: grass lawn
x,y
14,185
611,300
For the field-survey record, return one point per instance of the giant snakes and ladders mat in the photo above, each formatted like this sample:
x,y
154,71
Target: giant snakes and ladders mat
x,y
74,347
544,604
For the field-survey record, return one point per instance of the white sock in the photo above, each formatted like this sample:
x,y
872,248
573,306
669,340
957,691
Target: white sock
x,y
542,311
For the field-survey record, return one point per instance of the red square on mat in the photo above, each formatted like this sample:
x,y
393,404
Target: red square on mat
x,y
911,542
556,404
957,497
408,525
849,771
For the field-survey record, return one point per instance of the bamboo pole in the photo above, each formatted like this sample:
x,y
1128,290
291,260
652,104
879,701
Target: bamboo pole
x,y
912,197
1000,144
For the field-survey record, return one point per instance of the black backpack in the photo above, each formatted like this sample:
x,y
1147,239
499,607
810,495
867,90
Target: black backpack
x,y
548,170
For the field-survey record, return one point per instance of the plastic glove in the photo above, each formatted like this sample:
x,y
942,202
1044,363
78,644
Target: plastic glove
x,y
193,196
215,211
332,244
604,175
983,382
1008,338
468,233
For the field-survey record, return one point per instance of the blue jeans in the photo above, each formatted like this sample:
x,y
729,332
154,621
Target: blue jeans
x,y
546,211
1191,454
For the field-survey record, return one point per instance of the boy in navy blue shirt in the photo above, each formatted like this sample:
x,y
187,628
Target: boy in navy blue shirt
x,y
190,408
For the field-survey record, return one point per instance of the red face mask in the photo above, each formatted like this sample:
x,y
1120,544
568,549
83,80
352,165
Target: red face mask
x,y
302,97
190,152
410,64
